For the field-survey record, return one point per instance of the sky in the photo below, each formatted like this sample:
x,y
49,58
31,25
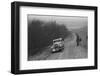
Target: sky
x,y
71,22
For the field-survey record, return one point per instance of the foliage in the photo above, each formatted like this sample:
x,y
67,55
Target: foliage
x,y
41,34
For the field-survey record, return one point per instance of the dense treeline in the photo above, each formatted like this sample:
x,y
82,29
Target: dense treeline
x,y
41,34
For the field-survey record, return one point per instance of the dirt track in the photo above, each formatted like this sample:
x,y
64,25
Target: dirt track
x,y
71,51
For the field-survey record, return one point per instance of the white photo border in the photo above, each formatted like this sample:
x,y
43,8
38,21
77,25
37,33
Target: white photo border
x,y
28,65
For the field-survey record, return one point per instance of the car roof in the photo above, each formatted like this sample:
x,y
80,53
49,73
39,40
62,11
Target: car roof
x,y
57,39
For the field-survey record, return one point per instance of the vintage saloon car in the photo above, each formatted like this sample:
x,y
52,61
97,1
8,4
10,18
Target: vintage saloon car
x,y
58,45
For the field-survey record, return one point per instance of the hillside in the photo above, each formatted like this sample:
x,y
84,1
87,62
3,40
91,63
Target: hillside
x,y
41,35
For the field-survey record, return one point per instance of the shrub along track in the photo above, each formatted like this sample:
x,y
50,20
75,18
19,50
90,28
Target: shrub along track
x,y
71,51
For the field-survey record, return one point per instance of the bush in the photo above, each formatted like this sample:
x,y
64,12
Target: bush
x,y
41,34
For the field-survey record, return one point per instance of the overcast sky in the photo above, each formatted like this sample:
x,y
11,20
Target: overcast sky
x,y
72,22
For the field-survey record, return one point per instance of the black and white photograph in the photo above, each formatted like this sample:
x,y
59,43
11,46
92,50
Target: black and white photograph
x,y
52,37
57,37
